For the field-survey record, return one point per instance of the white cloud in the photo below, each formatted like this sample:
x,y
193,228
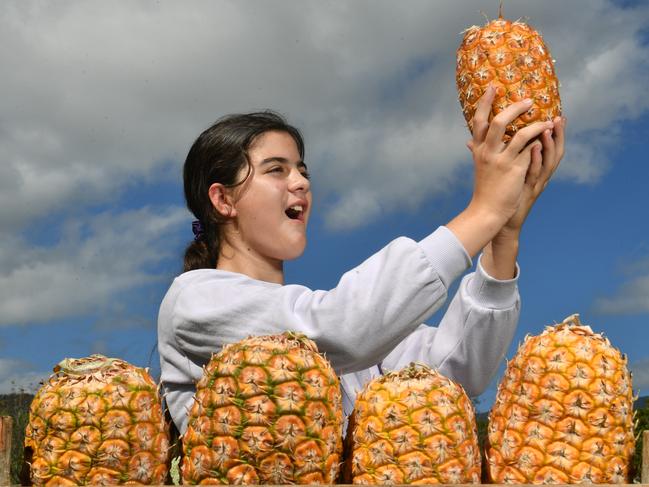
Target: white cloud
x,y
632,297
640,371
100,94
95,260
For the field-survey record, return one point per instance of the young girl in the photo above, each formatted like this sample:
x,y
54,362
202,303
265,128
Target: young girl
x,y
247,184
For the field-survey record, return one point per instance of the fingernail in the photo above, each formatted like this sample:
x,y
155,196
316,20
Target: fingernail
x,y
528,101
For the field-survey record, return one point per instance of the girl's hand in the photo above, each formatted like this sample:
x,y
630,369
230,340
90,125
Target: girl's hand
x,y
499,256
501,170
500,173
546,156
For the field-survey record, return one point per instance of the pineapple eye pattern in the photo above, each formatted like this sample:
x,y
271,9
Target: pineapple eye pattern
x,y
584,429
514,53
88,425
274,415
413,425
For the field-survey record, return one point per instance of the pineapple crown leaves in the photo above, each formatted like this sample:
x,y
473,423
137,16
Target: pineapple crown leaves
x,y
289,339
572,324
414,370
520,20
100,369
85,365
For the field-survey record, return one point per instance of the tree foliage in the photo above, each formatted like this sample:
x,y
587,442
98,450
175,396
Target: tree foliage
x,y
16,405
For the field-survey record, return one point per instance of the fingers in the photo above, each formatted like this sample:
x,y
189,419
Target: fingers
x,y
499,123
550,159
481,115
536,164
524,135
550,155
560,136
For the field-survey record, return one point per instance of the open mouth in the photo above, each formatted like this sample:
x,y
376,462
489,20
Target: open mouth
x,y
295,212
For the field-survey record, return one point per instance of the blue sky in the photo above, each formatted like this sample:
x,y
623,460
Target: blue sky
x,y
101,103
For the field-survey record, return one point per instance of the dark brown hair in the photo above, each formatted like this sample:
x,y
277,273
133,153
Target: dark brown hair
x,y
217,156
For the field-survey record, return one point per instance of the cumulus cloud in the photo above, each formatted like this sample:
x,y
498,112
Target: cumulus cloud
x,y
95,259
104,96
631,298
640,371
101,94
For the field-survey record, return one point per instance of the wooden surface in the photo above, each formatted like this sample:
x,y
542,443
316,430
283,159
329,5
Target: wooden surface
x,y
644,472
6,423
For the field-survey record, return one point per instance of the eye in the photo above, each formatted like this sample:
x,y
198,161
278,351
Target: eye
x,y
277,169
306,175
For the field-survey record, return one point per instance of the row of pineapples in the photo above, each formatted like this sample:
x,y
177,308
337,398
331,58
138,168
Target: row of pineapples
x,y
268,410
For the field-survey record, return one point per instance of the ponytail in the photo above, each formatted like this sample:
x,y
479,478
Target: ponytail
x,y
203,251
198,256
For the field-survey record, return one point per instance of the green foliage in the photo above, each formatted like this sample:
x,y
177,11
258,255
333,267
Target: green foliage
x,y
482,422
642,424
16,405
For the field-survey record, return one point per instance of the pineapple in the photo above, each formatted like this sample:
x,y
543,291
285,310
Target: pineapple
x,y
412,426
97,420
513,57
268,409
563,412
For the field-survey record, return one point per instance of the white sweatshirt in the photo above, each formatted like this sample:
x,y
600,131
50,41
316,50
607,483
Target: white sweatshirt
x,y
371,321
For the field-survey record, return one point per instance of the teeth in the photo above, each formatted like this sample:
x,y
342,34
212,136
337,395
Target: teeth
x,y
296,208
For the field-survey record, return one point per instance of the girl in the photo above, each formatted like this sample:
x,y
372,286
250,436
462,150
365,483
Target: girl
x,y
247,184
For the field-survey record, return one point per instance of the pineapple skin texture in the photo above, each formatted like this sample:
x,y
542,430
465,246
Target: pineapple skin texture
x,y
102,423
563,412
513,57
268,409
412,426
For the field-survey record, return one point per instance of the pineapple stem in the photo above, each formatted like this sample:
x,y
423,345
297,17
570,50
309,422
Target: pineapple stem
x,y
73,366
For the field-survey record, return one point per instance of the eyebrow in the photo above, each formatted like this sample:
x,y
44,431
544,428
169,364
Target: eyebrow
x,y
282,160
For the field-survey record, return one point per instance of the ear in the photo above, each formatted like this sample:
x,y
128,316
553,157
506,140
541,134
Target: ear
x,y
222,200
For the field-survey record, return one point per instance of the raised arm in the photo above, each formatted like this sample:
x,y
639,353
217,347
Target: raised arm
x,y
500,173
472,337
373,307
499,258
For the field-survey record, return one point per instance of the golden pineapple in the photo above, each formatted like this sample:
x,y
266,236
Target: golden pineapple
x,y
412,426
563,412
97,420
268,409
513,57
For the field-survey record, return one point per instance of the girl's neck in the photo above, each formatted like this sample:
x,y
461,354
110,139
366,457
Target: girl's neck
x,y
242,260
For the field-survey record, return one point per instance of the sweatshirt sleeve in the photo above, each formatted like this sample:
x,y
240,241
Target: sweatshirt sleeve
x,y
356,324
473,336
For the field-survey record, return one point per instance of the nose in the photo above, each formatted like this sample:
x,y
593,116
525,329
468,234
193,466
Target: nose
x,y
297,181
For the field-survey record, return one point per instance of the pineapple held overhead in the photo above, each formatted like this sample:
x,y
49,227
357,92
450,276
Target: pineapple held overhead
x,y
97,421
267,410
563,412
412,426
513,57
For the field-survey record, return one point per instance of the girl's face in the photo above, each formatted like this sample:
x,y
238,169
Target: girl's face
x,y
273,206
